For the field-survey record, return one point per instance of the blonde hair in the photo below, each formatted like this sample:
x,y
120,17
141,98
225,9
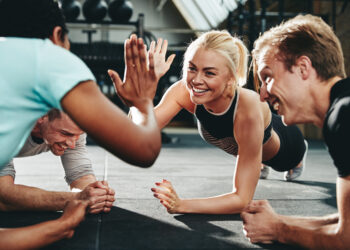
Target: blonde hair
x,y
303,35
231,48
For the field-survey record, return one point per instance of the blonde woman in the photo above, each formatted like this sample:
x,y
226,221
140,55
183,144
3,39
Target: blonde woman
x,y
229,117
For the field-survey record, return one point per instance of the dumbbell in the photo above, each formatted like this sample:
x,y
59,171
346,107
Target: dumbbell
x,y
120,11
94,10
71,9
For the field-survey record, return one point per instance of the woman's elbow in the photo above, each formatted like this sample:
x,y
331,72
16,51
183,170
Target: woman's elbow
x,y
239,204
240,207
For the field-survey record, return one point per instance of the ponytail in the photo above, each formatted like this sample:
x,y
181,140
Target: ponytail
x,y
241,67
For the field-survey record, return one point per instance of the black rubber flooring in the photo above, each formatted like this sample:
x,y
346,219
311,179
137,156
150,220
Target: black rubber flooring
x,y
196,169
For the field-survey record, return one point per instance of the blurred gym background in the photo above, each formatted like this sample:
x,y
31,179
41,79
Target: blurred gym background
x,y
98,28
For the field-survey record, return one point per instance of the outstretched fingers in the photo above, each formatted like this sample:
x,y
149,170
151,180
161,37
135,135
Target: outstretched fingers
x,y
142,54
152,47
115,79
158,48
135,52
151,63
170,60
128,56
118,85
164,47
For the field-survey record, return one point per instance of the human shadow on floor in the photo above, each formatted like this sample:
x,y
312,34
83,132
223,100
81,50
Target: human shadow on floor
x,y
202,223
124,229
330,188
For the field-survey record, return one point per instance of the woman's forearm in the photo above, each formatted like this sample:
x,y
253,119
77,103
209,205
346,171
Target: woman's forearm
x,y
229,203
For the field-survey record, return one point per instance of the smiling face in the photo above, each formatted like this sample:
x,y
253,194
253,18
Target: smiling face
x,y
282,88
60,133
209,80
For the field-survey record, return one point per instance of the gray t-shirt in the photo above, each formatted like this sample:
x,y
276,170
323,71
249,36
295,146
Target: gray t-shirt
x,y
76,162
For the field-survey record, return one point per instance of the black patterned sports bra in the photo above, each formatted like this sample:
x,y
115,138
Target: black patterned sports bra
x,y
217,129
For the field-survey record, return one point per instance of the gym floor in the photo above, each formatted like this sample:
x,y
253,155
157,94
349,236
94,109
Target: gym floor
x,y
196,169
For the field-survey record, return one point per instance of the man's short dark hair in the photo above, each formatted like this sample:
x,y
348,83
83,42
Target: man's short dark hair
x,y
31,18
54,114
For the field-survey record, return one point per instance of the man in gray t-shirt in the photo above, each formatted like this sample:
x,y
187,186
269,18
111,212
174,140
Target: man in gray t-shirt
x,y
57,133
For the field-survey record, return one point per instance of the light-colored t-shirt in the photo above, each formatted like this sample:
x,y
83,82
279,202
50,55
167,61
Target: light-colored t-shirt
x,y
76,162
34,76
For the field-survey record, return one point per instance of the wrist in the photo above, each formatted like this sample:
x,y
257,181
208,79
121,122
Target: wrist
x,y
281,229
76,195
62,228
138,115
182,207
143,105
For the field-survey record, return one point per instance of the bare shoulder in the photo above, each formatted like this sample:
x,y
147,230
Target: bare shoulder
x,y
179,92
250,109
249,103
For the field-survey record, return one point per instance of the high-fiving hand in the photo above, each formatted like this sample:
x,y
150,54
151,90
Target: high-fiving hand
x,y
142,71
140,81
158,52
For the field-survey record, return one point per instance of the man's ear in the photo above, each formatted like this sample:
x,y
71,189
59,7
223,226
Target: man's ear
x,y
42,119
304,66
56,36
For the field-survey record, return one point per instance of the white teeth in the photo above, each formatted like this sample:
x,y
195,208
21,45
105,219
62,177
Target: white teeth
x,y
198,90
276,106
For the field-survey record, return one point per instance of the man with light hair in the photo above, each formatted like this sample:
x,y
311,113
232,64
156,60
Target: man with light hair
x,y
300,67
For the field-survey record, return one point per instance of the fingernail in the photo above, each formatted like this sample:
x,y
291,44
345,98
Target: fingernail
x,y
153,189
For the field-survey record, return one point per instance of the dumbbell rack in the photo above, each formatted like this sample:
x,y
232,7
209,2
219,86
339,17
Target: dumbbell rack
x,y
101,56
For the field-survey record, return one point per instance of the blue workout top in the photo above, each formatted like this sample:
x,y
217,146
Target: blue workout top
x,y
35,75
217,129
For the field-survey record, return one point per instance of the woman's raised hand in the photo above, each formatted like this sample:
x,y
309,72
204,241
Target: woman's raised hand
x,y
158,52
